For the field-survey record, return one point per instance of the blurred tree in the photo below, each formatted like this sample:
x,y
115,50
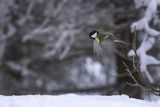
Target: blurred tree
x,y
45,47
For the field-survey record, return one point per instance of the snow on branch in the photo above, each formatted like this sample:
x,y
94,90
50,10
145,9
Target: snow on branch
x,y
149,35
143,23
37,31
141,82
63,44
27,14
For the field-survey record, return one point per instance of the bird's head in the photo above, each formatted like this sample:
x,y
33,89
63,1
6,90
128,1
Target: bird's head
x,y
93,34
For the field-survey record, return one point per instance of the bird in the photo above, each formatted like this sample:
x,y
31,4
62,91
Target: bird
x,y
105,42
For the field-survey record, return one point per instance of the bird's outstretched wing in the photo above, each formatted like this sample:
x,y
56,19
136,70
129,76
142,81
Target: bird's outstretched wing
x,y
107,48
97,48
104,48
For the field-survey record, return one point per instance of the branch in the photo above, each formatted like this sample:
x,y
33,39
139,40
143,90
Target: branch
x,y
142,83
62,47
149,37
27,15
37,31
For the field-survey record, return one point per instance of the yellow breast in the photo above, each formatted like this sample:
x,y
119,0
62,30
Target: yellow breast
x,y
97,39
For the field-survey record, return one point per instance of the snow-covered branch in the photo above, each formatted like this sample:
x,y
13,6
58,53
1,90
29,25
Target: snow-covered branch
x,y
37,31
7,29
56,48
27,15
149,35
20,67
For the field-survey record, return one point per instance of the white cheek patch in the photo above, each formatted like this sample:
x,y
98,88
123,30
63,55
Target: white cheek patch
x,y
94,35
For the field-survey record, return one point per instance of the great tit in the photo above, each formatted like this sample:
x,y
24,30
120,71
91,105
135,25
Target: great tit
x,y
105,42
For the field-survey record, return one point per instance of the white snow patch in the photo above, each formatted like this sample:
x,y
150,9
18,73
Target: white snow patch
x,y
72,100
95,69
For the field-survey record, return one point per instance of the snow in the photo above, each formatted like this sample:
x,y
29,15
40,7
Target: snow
x,y
73,100
95,69
148,40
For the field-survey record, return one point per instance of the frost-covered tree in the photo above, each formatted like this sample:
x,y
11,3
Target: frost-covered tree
x,y
147,24
45,47
43,43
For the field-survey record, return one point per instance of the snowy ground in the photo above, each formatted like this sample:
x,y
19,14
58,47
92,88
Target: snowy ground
x,y
72,100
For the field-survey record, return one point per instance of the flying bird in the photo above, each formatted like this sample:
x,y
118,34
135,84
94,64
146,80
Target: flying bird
x,y
105,42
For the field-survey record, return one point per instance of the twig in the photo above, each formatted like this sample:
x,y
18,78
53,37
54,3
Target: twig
x,y
142,83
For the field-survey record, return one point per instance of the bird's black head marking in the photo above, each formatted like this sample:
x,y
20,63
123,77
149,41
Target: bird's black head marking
x,y
93,34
